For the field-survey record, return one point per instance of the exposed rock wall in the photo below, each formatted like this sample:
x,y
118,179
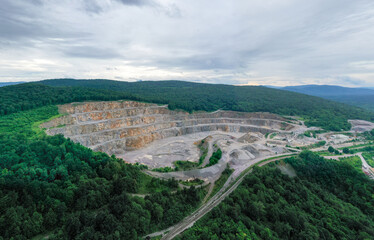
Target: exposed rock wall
x,y
116,127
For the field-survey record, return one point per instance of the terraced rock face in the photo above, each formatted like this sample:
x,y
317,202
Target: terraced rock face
x,y
121,126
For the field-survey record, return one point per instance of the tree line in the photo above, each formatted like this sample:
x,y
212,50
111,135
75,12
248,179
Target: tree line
x,y
188,96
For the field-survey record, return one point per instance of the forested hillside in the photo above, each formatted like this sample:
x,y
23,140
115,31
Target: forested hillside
x,y
184,95
50,186
327,200
3,84
32,95
361,97
329,90
364,101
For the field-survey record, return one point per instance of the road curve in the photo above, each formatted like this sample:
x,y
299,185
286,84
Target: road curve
x,y
230,185
366,168
213,202
226,189
209,153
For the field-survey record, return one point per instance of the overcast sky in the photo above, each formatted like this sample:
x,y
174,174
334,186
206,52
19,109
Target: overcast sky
x,y
283,42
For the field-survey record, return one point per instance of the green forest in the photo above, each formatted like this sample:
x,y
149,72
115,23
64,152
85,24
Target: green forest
x,y
52,186
364,101
187,96
326,200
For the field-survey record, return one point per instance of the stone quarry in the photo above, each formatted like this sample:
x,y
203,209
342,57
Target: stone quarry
x,y
361,125
118,127
153,135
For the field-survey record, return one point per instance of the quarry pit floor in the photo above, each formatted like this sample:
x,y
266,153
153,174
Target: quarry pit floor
x,y
235,154
157,137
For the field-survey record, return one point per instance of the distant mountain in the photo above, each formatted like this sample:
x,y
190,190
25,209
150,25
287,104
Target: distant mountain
x,y
361,97
3,84
329,90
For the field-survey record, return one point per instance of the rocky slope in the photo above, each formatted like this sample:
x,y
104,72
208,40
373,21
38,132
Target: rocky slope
x,y
120,126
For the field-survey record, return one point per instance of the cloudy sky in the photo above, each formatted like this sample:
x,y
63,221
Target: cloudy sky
x,y
272,42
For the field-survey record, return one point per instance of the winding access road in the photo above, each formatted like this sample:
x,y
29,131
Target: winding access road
x,y
365,166
230,185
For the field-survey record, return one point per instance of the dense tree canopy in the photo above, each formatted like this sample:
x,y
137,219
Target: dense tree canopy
x,y
50,184
327,200
369,134
22,97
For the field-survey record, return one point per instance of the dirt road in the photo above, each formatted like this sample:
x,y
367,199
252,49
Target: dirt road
x,y
213,202
209,154
231,184
365,166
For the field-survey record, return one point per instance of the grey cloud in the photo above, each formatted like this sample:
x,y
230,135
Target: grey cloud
x,y
23,23
91,52
12,29
171,10
203,62
346,80
135,2
98,6
92,6
36,2
16,22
